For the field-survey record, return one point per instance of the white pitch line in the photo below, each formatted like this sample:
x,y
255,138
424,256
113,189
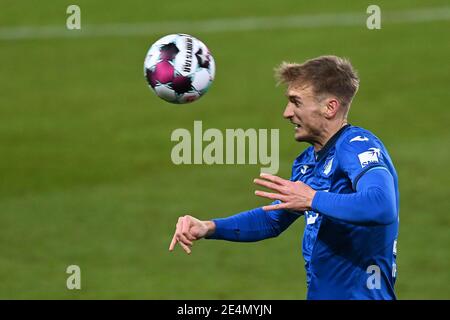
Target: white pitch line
x,y
224,25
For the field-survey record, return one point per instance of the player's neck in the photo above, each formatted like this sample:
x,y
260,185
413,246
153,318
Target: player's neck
x,y
328,133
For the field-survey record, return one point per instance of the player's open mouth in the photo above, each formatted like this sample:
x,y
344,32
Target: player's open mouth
x,y
296,126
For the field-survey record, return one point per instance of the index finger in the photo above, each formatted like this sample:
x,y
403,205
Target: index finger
x,y
173,242
174,239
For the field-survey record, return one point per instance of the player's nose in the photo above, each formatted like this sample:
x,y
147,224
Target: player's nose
x,y
288,112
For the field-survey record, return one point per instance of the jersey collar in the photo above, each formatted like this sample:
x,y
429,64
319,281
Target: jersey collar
x,y
331,142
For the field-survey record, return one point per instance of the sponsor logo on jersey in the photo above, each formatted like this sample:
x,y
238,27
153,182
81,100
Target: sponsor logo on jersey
x,y
303,169
368,157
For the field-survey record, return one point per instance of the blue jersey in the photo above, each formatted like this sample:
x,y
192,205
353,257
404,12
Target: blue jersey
x,y
344,260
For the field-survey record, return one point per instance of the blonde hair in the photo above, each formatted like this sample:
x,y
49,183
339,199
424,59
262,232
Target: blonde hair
x,y
326,74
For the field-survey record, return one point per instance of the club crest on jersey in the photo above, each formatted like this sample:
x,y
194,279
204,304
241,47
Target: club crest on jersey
x,y
370,156
327,167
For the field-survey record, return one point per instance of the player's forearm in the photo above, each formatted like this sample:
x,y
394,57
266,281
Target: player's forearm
x,y
372,204
246,226
252,225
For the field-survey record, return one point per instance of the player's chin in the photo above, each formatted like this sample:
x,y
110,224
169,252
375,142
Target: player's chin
x,y
299,136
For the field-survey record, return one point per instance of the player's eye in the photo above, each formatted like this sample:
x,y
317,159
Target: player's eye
x,y
295,101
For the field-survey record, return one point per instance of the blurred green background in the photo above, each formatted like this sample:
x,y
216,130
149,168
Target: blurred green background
x,y
86,175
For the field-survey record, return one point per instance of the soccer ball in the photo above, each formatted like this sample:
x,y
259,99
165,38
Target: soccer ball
x,y
179,68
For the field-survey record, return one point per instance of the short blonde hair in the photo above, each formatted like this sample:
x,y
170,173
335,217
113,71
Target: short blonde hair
x,y
326,74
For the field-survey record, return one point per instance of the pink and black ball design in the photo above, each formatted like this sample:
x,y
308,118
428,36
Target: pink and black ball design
x,y
179,68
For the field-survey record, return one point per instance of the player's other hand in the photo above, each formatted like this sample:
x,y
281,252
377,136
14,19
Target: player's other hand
x,y
188,230
295,196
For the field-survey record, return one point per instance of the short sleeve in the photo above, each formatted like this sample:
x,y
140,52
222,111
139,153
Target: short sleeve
x,y
359,153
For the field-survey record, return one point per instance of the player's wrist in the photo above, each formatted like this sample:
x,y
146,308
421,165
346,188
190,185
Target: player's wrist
x,y
310,201
211,227
313,198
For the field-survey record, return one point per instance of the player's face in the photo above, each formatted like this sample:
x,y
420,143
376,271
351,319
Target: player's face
x,y
305,113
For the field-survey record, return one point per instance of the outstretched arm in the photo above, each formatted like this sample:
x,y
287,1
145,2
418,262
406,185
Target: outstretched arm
x,y
253,225
247,226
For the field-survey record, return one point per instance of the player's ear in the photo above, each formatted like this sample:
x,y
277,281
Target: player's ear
x,y
332,106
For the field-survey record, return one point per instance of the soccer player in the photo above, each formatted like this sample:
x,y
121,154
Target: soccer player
x,y
345,185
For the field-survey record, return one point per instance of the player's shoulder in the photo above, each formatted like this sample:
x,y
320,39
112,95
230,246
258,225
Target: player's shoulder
x,y
357,138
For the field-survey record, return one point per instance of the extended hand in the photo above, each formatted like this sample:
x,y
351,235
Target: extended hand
x,y
295,196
